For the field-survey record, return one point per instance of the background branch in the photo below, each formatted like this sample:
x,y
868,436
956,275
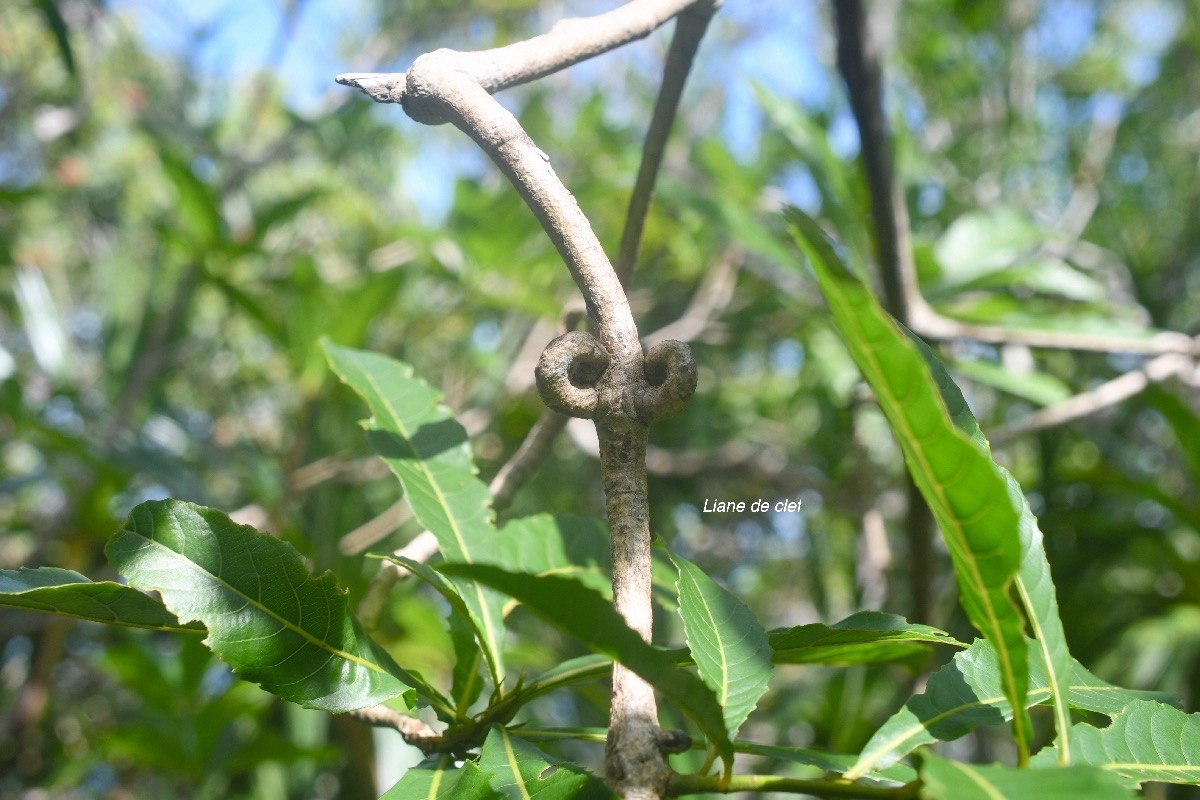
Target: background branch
x,y
1104,396
568,42
710,298
689,30
858,61
523,463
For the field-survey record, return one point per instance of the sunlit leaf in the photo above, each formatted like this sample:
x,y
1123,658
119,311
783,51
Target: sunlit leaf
x,y
566,545
868,637
1090,693
966,694
69,594
438,779
943,779
1035,586
959,697
520,771
981,242
590,617
968,496
727,642
427,450
267,616
1146,741
830,762
1036,387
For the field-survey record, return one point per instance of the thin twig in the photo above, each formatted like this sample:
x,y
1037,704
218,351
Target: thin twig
x,y
859,61
568,42
1104,396
710,298
1085,196
376,529
902,296
523,463
689,30
925,321
414,731
329,468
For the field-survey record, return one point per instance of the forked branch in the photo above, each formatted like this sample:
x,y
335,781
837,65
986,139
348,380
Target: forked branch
x,y
604,377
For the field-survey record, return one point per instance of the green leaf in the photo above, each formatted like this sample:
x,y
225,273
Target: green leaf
x,y
961,696
981,242
464,636
267,616
60,591
1036,387
427,450
729,645
573,546
1089,693
868,637
467,679
438,779
966,694
199,211
60,31
1146,741
897,774
576,670
968,496
517,769
1035,586
952,780
589,616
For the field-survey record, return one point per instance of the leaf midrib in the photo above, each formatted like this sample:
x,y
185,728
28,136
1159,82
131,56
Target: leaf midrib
x,y
511,757
993,619
484,611
319,643
724,665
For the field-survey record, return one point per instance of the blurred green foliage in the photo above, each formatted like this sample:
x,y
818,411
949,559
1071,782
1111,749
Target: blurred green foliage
x,y
173,244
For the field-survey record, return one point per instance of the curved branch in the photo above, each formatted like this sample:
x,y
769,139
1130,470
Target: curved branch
x,y
604,377
689,30
568,42
440,90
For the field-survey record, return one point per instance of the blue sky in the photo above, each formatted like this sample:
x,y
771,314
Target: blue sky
x,y
778,50
239,36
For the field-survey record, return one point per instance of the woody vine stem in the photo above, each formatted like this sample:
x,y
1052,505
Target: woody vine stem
x,y
604,377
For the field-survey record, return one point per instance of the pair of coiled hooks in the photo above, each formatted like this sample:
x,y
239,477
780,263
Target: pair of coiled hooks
x,y
573,365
